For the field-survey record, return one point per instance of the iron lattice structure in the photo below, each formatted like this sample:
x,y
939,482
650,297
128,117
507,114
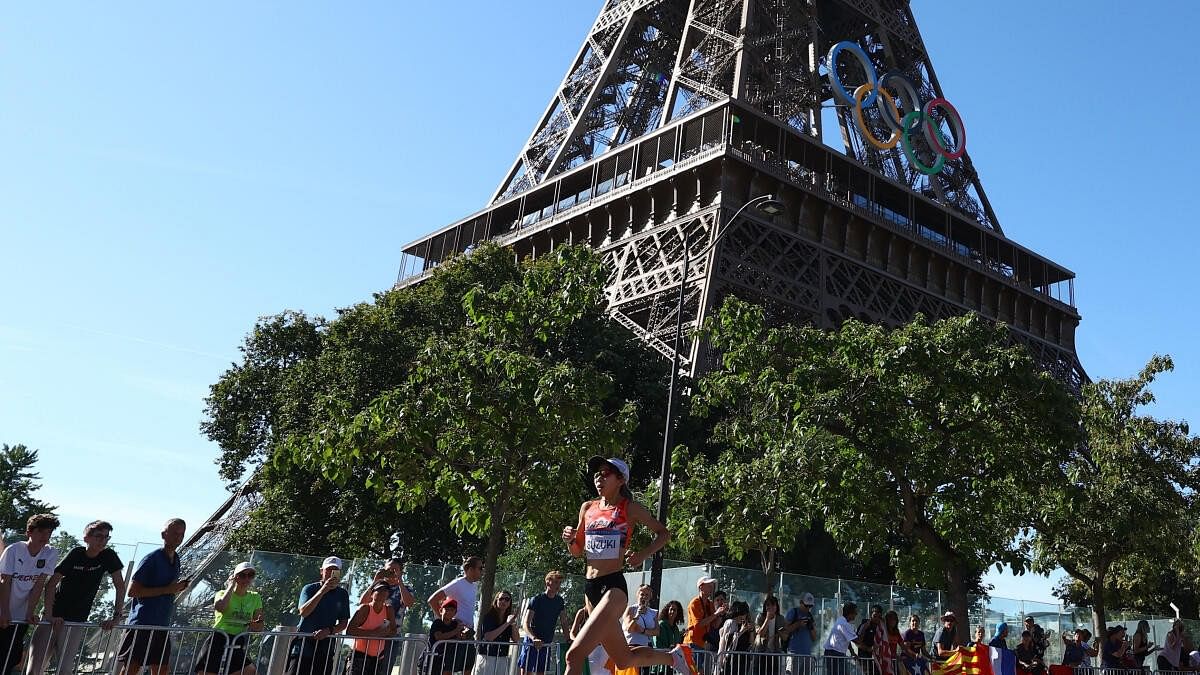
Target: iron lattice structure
x,y
675,113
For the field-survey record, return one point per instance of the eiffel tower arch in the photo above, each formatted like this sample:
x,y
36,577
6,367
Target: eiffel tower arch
x,y
675,113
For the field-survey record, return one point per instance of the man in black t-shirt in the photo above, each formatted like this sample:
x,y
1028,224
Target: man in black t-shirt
x,y
945,641
71,592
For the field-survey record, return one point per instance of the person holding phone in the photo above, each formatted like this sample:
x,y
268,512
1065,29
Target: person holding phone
x,y
155,583
324,611
801,632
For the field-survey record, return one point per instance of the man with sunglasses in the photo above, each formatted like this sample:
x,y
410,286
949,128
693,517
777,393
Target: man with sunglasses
x,y
71,592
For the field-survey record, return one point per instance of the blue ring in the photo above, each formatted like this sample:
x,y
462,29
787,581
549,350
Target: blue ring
x,y
839,91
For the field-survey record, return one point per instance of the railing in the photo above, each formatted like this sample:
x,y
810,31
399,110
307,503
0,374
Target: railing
x,y
175,650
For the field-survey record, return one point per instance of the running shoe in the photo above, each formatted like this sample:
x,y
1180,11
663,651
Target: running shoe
x,y
683,663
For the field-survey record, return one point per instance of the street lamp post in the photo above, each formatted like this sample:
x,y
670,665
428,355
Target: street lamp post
x,y
770,206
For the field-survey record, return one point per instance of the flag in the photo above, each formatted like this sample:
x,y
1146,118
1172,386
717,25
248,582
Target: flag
x,y
978,660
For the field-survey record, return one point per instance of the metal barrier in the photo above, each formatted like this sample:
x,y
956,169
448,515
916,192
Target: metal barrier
x,y
176,650
784,663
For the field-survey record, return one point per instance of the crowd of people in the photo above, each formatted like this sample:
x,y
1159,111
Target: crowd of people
x,y
611,633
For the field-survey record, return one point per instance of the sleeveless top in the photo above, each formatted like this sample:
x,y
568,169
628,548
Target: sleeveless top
x,y
605,530
374,620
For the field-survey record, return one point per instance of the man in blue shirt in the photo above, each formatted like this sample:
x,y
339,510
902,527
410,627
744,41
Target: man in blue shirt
x,y
801,632
542,615
324,610
155,583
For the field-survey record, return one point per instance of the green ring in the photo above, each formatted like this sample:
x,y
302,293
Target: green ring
x,y
910,153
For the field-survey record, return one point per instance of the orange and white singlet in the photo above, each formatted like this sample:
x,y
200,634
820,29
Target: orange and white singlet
x,y
605,530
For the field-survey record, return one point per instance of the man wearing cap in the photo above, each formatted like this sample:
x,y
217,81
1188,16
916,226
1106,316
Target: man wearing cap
x,y
324,610
945,640
462,590
801,633
702,614
155,583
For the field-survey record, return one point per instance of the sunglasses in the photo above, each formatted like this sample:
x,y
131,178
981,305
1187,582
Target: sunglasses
x,y
604,473
100,536
505,598
248,574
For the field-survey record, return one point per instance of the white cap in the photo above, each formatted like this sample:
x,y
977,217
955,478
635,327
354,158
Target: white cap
x,y
705,580
332,561
808,599
242,567
596,461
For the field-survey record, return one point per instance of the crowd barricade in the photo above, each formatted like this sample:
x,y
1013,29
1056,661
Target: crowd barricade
x,y
785,663
490,658
75,648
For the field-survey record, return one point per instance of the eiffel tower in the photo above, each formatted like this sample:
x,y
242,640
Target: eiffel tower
x,y
676,113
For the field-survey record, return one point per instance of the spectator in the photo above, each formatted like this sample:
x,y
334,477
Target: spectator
x,y
888,650
767,635
801,633
913,648
1001,639
980,637
543,613
640,621
837,646
1039,636
236,610
1169,658
870,632
400,598
1112,652
464,593
24,568
737,634
448,628
1076,650
1140,645
376,619
154,585
1029,660
945,640
669,633
712,637
70,594
324,611
701,616
499,625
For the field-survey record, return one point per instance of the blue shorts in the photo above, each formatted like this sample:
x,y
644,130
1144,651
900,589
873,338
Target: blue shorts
x,y
534,659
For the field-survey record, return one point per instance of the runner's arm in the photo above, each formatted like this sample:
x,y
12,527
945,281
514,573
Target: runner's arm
x,y
662,536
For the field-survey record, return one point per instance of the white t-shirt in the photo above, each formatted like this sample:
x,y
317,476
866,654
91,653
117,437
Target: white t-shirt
x,y
649,619
841,636
24,568
464,594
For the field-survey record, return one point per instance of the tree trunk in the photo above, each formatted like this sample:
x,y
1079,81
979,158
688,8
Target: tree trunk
x,y
956,592
1099,620
770,563
491,554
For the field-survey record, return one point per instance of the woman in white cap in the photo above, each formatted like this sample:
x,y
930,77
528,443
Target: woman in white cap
x,y
236,611
602,535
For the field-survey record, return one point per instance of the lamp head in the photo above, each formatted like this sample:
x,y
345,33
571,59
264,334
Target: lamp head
x,y
769,205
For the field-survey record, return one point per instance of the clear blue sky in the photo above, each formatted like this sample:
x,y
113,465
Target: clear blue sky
x,y
170,172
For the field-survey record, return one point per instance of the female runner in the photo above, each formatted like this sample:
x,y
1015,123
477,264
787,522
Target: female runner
x,y
602,535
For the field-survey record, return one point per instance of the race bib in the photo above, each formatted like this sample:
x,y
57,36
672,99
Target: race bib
x,y
602,545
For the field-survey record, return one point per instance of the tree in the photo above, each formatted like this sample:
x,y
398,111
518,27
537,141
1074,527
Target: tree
x,y
18,483
496,417
932,429
749,502
1124,502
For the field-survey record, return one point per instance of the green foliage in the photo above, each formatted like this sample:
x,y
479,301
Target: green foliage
x,y
1122,508
929,429
18,483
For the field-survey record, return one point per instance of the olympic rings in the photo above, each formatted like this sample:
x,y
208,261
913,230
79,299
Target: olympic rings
x,y
901,120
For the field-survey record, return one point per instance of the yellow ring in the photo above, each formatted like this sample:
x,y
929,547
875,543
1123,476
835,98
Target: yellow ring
x,y
859,95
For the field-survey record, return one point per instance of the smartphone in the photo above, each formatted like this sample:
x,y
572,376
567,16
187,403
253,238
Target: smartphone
x,y
336,574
